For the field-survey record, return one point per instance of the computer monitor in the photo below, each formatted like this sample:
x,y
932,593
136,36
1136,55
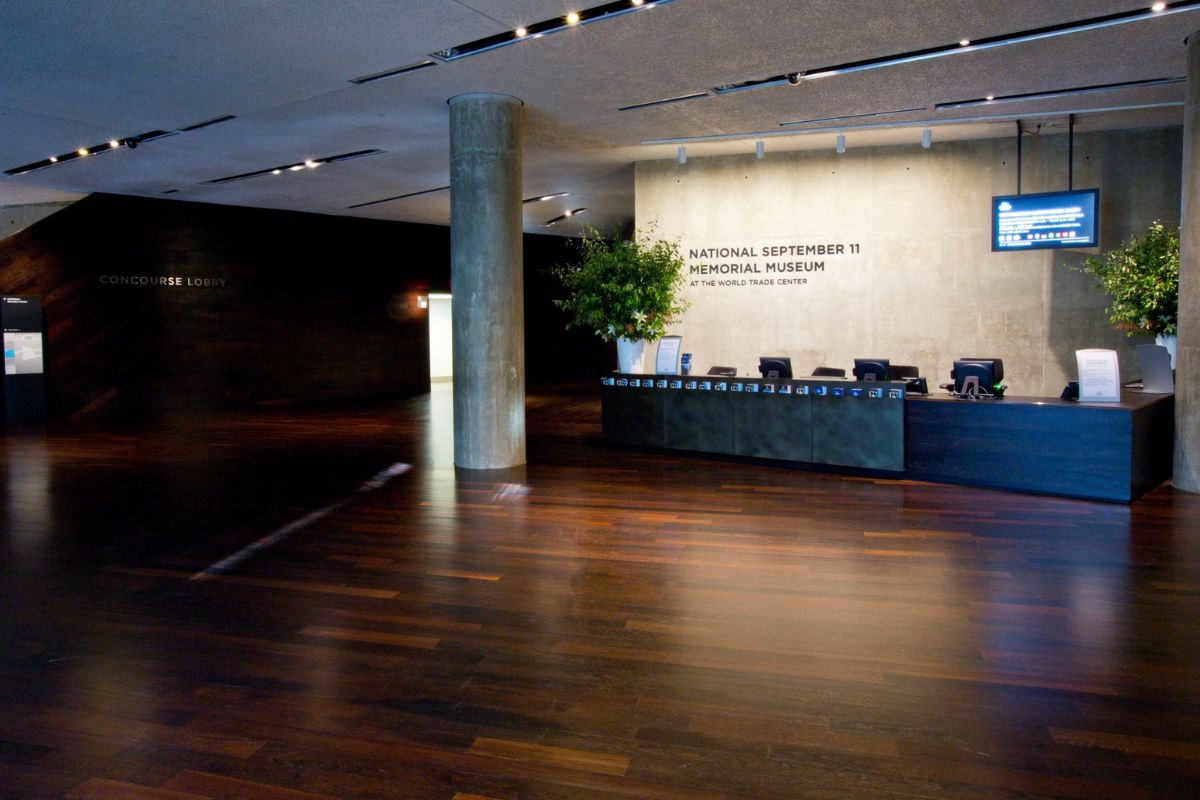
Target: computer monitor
x,y
984,374
872,369
775,366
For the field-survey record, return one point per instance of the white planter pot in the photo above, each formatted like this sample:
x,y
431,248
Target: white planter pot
x,y
631,355
1169,343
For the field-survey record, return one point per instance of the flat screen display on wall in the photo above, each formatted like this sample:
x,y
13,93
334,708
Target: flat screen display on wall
x,y
1046,220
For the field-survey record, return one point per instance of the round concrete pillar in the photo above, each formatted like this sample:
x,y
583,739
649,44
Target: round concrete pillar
x,y
486,281
1187,357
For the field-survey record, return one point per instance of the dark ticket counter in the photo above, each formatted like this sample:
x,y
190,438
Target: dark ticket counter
x,y
1109,451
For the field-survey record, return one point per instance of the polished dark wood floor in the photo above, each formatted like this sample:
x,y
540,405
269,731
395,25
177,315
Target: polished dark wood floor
x,y
601,624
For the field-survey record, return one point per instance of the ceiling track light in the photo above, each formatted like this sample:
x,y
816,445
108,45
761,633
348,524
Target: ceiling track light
x,y
311,163
536,30
667,101
392,73
851,116
841,143
760,149
399,197
543,198
130,142
916,123
1053,93
207,123
571,212
988,43
927,138
682,155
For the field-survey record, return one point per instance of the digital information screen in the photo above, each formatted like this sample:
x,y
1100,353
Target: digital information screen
x,y
23,354
1046,220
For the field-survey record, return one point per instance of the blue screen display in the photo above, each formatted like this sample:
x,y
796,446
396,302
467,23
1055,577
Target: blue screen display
x,y
1046,220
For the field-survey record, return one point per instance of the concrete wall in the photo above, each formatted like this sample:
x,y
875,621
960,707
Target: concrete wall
x,y
923,287
14,219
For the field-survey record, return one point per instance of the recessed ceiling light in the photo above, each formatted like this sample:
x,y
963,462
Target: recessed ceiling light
x,y
990,97
53,159
310,163
521,32
276,172
83,151
1158,7
964,42
114,144
573,18
635,2
296,167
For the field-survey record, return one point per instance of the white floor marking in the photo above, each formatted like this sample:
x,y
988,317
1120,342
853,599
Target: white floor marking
x,y
279,534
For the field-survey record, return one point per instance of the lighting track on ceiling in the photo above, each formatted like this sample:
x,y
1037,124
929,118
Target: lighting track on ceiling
x,y
544,197
311,163
1053,93
964,46
392,73
399,197
852,116
122,143
208,123
918,123
127,142
537,30
573,212
665,102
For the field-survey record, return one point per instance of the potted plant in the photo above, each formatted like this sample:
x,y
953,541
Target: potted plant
x,y
1141,278
625,290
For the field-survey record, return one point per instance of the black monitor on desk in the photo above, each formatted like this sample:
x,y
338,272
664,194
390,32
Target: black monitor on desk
x,y
775,366
984,373
872,369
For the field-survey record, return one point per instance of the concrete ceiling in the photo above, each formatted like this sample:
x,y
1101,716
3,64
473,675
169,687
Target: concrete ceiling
x,y
81,72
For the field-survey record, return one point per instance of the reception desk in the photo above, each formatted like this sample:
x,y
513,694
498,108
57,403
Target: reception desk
x,y
1104,451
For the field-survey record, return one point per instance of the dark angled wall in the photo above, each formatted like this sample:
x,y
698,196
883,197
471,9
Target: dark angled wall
x,y
298,308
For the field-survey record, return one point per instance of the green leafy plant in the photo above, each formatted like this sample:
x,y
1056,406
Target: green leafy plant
x,y
1141,278
625,288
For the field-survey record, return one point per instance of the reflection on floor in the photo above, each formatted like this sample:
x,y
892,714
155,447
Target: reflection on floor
x,y
602,623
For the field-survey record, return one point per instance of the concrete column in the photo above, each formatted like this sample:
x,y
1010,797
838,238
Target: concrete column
x,y
486,281
1187,357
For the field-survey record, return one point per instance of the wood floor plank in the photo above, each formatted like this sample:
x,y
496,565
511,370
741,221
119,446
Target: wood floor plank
x,y
221,787
555,756
101,789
